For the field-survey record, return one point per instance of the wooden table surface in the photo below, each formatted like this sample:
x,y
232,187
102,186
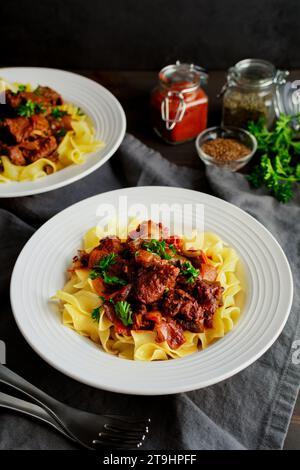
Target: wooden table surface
x,y
133,90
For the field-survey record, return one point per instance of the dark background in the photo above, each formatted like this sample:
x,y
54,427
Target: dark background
x,y
147,34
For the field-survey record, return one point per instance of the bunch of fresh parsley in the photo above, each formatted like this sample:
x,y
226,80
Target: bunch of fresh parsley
x,y
278,149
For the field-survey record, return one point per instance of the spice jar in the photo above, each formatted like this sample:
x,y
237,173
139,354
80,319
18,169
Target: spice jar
x,y
179,104
250,92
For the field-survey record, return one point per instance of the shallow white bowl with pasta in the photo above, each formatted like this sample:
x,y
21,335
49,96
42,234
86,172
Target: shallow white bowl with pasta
x,y
40,272
103,110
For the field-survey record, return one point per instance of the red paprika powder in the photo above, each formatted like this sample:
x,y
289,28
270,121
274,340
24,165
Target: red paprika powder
x,y
179,104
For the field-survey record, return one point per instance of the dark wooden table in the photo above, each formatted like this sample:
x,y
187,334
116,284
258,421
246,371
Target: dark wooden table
x,y
133,90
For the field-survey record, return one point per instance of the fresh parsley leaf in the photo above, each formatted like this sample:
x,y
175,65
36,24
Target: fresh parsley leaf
x,y
112,279
158,247
37,91
27,109
22,88
100,270
39,108
107,261
94,274
79,112
62,132
58,113
96,314
124,312
172,247
30,108
189,272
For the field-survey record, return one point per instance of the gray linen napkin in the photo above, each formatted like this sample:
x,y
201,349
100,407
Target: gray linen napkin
x,y
249,411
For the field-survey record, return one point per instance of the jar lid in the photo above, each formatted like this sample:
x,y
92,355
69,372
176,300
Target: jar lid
x,y
256,73
183,76
288,98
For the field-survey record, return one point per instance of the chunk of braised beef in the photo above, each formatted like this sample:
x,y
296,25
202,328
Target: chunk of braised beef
x,y
152,283
19,128
95,257
146,258
46,147
39,123
119,268
13,100
196,326
134,245
171,332
129,269
16,156
209,294
111,245
84,258
49,95
121,294
176,242
56,125
140,322
179,302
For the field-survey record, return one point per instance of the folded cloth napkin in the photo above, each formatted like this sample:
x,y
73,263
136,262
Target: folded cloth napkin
x,y
248,411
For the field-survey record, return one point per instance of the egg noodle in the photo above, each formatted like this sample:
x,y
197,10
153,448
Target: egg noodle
x,y
72,149
79,298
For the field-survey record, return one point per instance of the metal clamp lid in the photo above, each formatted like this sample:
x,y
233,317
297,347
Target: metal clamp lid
x,y
165,109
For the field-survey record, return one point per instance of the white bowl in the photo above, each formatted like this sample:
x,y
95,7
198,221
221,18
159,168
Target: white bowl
x,y
96,101
40,271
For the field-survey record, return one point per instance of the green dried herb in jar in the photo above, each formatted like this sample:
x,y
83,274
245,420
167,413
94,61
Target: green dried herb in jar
x,y
250,92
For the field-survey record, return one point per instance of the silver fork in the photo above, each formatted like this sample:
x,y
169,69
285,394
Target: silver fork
x,y
88,429
30,409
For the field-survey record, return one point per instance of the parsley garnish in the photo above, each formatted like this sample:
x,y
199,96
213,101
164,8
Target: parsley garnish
x,y
22,88
62,132
124,312
107,261
39,108
113,279
172,247
96,314
100,270
27,109
37,91
277,147
158,247
79,112
58,113
189,272
30,108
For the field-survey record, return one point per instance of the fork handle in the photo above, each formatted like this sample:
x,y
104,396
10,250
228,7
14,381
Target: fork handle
x,y
12,379
30,409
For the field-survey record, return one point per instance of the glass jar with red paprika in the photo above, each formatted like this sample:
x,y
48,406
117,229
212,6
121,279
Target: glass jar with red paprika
x,y
179,104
